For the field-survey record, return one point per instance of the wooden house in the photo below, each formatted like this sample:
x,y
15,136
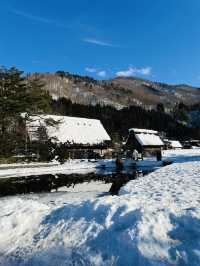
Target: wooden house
x,y
145,142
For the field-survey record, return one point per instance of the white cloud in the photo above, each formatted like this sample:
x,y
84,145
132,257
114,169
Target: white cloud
x,y
90,70
102,73
132,71
37,18
98,42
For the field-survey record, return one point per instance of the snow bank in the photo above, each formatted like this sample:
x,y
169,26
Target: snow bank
x,y
182,155
73,166
154,221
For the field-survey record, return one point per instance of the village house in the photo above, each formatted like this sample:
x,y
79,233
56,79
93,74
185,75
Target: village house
x,y
81,136
191,144
145,142
195,143
175,144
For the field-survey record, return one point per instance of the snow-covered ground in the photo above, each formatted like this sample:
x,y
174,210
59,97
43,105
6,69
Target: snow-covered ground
x,y
88,166
69,167
154,221
73,166
180,155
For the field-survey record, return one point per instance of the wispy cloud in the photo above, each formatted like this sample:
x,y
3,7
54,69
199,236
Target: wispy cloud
x,y
38,18
132,71
98,42
90,70
100,73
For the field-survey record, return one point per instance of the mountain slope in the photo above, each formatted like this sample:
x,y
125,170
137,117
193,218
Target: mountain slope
x,y
118,92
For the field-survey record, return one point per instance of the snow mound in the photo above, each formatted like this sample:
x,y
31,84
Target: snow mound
x,y
154,222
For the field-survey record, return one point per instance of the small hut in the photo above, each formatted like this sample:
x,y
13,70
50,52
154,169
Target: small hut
x,y
145,141
191,144
175,145
195,143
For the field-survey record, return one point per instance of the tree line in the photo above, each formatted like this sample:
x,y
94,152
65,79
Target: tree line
x,y
117,122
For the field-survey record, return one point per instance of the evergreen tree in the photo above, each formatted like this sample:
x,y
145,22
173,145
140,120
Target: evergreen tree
x,y
18,95
180,112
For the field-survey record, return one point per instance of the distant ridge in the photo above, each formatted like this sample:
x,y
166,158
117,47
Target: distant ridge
x,y
118,92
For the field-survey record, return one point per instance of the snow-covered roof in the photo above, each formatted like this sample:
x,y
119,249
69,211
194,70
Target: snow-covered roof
x,y
175,144
141,130
149,139
75,130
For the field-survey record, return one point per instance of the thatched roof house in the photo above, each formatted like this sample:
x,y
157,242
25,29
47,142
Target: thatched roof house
x,y
68,130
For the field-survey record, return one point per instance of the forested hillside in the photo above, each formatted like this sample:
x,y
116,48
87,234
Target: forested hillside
x,y
118,92
117,122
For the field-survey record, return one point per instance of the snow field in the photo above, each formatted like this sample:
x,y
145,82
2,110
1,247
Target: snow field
x,y
155,221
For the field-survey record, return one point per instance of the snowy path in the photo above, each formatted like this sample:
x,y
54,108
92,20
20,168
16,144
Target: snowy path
x,y
154,221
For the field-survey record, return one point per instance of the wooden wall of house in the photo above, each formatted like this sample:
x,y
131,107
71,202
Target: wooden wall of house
x,y
152,151
81,154
132,143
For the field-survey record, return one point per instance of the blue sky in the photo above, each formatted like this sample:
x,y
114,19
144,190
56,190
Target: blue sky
x,y
154,39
